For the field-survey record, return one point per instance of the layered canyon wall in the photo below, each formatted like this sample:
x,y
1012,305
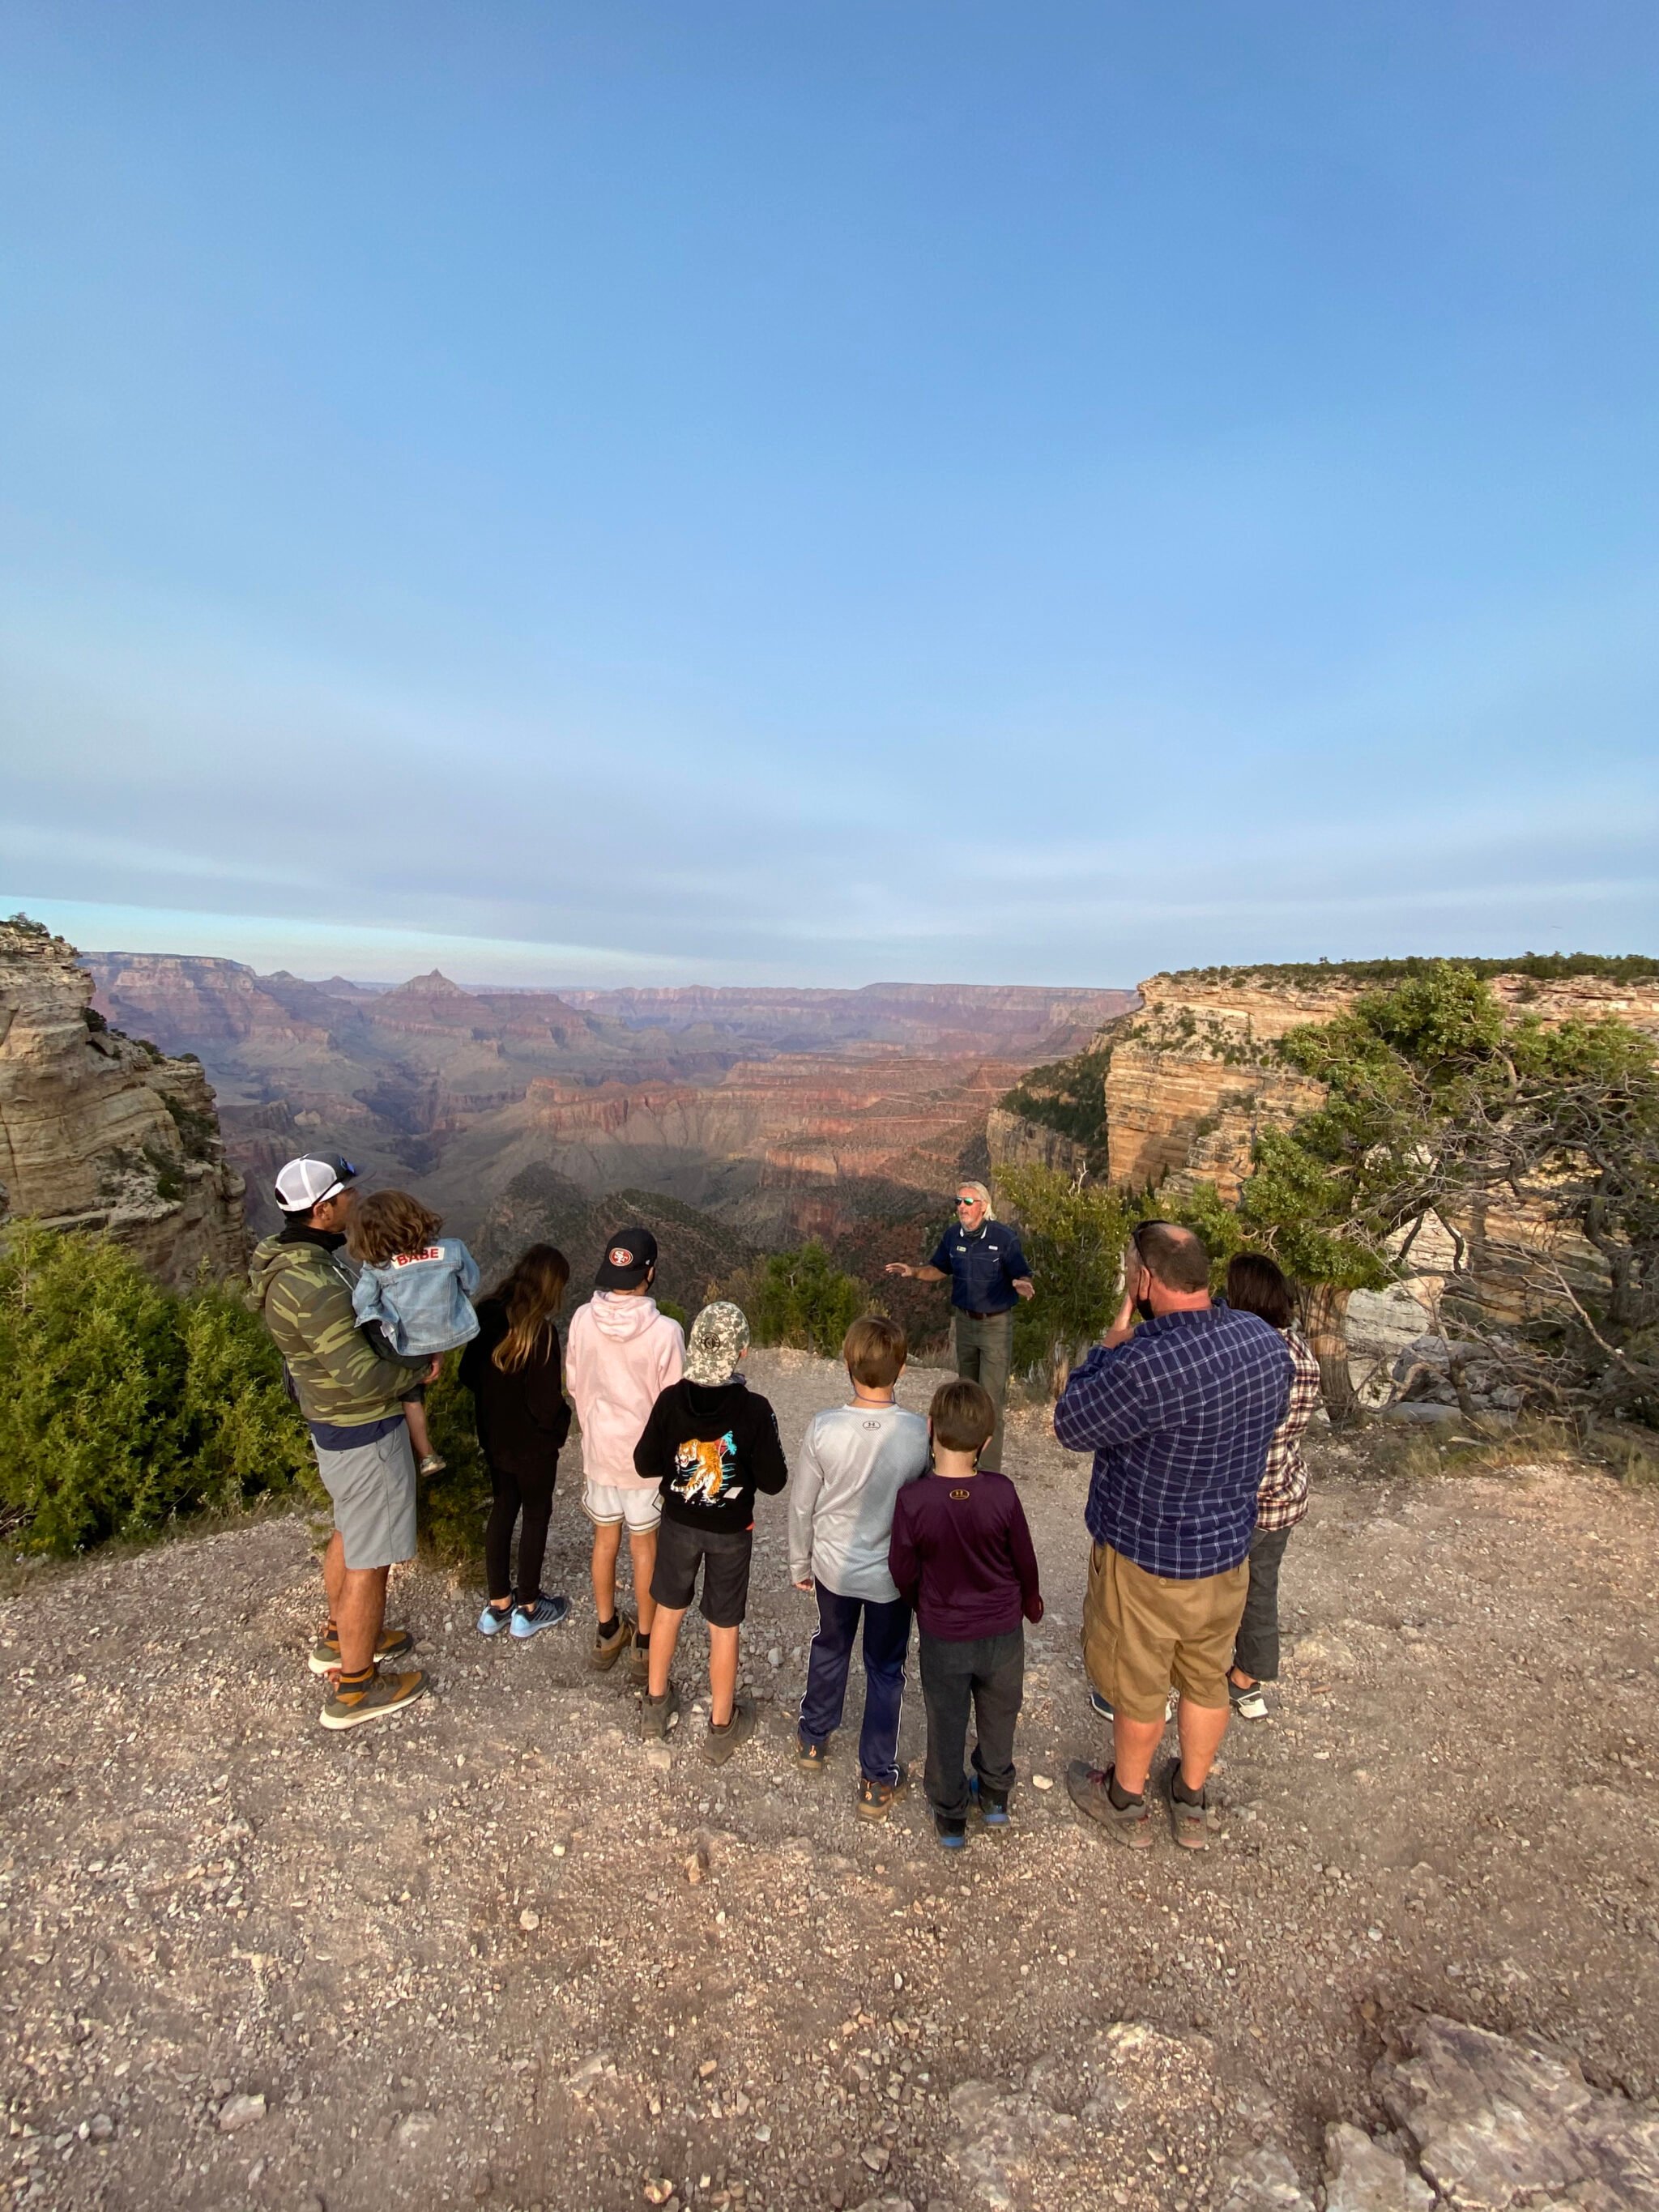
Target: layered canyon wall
x,y
792,1113
100,1133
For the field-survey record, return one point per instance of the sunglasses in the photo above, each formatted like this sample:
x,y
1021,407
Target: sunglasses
x,y
969,1201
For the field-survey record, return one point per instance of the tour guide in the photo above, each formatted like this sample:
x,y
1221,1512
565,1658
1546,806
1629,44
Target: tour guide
x,y
989,1273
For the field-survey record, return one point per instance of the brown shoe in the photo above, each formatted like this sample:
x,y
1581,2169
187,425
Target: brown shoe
x,y
604,1651
658,1715
394,1643
875,1799
719,1743
372,1700
639,1661
1191,1826
1089,1789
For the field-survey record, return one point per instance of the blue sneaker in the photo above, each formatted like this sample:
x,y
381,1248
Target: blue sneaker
x,y
952,1834
540,1612
1101,1705
491,1623
992,1810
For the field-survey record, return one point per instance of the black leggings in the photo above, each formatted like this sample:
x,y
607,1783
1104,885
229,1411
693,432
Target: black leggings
x,y
533,1495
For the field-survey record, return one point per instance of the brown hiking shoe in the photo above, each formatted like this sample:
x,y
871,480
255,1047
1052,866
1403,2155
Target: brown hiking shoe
x,y
639,1661
657,1715
1191,1825
604,1651
1089,1789
875,1799
394,1643
350,1707
719,1743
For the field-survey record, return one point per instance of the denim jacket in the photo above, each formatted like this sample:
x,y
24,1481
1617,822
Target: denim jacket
x,y
422,1299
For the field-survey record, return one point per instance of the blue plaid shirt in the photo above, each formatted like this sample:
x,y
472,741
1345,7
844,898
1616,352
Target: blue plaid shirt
x,y
1179,1420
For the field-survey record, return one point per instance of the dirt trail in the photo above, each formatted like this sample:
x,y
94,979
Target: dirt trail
x,y
459,1957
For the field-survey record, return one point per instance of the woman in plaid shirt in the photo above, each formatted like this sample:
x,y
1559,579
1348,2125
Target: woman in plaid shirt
x,y
1256,1286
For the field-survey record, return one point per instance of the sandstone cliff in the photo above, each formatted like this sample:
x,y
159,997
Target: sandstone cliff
x,y
1013,1141
100,1133
1192,1082
1189,1084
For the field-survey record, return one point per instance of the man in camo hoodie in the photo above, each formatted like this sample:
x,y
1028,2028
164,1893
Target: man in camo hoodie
x,y
350,1399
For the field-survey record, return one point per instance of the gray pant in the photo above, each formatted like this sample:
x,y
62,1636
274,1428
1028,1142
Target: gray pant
x,y
985,1350
1256,1653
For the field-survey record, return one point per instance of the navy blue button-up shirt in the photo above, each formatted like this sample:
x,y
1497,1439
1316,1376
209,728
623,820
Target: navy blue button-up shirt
x,y
1179,1420
983,1265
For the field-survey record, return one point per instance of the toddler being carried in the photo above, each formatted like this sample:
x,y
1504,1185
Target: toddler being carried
x,y
413,1295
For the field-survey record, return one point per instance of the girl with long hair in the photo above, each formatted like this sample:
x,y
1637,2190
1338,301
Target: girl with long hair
x,y
515,1370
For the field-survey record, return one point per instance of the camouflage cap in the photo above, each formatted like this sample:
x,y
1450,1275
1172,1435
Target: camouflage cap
x,y
720,1337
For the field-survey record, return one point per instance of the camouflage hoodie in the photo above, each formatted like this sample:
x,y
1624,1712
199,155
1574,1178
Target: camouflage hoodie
x,y
304,1291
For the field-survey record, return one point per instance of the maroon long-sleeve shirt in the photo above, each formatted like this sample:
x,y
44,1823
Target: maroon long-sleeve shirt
x,y
961,1554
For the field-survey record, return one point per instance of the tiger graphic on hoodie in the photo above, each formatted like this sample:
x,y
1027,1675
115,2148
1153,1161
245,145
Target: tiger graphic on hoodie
x,y
703,1468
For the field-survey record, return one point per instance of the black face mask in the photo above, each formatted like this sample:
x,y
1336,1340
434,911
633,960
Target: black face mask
x,y
1144,1308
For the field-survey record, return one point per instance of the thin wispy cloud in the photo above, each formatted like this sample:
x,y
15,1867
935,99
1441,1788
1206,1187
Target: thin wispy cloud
x,y
1059,502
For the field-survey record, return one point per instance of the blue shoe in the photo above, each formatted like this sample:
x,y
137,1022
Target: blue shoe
x,y
952,1834
540,1612
992,1811
491,1623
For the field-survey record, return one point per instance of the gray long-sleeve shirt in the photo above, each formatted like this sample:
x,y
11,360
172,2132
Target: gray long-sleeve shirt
x,y
852,1464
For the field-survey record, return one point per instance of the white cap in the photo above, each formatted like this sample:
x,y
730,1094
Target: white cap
x,y
307,1182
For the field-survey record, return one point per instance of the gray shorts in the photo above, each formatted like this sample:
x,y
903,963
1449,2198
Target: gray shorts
x,y
373,1489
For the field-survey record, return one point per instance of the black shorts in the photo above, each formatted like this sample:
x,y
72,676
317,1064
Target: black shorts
x,y
723,1555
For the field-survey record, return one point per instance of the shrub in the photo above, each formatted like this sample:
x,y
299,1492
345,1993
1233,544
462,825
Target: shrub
x,y
1074,1235
802,1298
124,1407
453,1505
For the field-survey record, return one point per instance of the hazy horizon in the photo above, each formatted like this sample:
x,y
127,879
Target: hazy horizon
x,y
622,494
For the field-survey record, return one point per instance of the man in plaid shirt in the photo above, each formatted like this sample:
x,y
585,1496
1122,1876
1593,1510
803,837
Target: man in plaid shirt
x,y
1179,1413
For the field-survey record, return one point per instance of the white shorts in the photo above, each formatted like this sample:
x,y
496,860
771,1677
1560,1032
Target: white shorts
x,y
608,1505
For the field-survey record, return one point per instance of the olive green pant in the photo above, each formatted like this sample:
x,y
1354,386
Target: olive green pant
x,y
984,1353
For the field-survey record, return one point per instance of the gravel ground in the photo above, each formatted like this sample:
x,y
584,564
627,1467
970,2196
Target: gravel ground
x,y
500,1950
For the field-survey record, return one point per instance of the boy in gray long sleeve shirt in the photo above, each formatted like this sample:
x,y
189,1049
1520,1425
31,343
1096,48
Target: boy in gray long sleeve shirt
x,y
851,1467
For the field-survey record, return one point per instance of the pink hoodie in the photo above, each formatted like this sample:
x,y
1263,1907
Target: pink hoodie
x,y
620,1355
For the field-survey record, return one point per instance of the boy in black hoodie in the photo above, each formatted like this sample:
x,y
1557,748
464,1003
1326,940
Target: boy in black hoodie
x,y
711,1443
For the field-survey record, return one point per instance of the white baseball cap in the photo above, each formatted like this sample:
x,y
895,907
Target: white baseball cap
x,y
307,1182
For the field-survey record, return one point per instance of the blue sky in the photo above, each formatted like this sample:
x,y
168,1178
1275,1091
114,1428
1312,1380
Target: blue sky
x,y
830,492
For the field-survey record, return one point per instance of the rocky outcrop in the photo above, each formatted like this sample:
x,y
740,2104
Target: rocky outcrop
x,y
1013,1141
1189,1084
1192,1081
100,1133
1479,2124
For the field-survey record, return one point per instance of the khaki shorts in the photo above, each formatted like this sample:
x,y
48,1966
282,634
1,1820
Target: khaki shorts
x,y
1142,1633
608,1505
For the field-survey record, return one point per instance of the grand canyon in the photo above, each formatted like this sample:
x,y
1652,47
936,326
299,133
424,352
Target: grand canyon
x,y
763,1116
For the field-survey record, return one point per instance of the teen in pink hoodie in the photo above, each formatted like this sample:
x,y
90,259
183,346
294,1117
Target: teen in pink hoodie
x,y
621,1353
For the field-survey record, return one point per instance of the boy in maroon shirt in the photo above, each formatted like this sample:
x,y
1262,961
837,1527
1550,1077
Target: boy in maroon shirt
x,y
961,1555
